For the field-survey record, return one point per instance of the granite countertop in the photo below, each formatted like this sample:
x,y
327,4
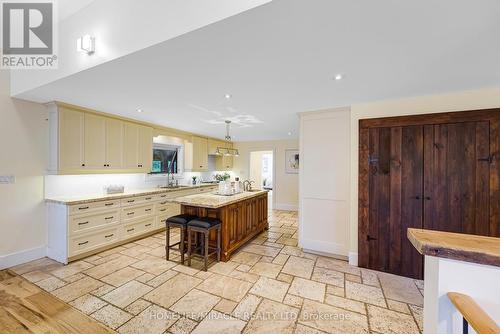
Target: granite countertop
x,y
214,201
76,200
457,246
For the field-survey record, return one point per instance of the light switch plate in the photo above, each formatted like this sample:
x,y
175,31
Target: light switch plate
x,y
7,179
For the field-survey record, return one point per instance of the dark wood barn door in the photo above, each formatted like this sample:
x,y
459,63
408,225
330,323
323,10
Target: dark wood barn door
x,y
396,176
457,182
439,172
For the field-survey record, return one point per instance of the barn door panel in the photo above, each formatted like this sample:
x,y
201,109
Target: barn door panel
x,y
457,177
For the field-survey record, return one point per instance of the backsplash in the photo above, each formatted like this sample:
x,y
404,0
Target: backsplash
x,y
82,185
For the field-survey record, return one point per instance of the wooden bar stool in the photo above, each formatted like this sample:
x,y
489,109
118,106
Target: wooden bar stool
x,y
179,221
204,225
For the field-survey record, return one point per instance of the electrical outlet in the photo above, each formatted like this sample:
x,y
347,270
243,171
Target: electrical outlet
x,y
7,179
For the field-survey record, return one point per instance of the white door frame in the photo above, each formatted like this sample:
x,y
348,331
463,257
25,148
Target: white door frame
x,y
271,149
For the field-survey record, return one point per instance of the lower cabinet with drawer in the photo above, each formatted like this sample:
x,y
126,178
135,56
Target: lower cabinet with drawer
x,y
90,241
80,230
138,227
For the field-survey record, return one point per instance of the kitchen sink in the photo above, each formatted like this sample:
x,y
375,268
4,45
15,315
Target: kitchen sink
x,y
173,187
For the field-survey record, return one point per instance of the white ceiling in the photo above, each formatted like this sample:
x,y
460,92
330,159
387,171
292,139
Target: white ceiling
x,y
280,58
66,8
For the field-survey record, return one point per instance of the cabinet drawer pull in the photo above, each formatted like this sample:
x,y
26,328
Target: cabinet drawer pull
x,y
130,213
108,218
163,221
147,210
83,208
148,225
131,201
163,203
109,204
147,198
83,243
163,196
130,230
109,235
161,210
83,223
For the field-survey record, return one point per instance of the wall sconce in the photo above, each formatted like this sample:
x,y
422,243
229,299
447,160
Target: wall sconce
x,y
86,44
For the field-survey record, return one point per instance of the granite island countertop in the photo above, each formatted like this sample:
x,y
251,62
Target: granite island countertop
x,y
215,201
76,200
457,246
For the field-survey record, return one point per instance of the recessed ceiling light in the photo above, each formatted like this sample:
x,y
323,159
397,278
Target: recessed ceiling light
x,y
139,110
227,96
339,77
289,133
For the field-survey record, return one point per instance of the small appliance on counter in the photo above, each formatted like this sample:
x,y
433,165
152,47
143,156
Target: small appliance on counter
x,y
228,188
114,189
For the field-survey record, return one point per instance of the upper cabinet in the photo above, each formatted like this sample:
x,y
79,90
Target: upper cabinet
x,y
94,139
137,147
68,136
145,148
224,163
85,142
114,143
213,144
200,154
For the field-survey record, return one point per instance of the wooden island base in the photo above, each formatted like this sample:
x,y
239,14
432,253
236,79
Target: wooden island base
x,y
241,222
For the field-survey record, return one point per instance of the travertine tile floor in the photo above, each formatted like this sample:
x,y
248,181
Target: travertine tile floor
x,y
270,286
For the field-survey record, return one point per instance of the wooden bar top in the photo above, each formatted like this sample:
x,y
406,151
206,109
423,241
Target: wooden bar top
x,y
456,246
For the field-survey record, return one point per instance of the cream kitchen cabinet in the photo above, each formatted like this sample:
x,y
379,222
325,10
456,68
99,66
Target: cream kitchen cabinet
x,y
94,141
199,154
224,163
213,144
67,140
137,147
114,143
103,142
86,142
81,228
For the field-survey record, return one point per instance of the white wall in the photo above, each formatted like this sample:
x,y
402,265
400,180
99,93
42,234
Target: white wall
x,y
457,101
480,282
285,186
324,181
24,154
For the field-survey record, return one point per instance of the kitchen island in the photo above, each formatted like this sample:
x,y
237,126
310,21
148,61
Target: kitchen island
x,y
457,263
243,216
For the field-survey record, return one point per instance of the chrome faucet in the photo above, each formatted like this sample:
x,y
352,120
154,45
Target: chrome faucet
x,y
247,185
169,172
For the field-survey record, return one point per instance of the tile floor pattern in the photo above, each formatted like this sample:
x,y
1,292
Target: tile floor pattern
x,y
270,286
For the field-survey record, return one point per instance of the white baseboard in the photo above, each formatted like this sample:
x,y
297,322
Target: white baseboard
x,y
333,256
13,259
353,259
286,207
323,248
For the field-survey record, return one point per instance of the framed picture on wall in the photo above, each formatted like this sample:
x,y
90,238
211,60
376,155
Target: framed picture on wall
x,y
292,161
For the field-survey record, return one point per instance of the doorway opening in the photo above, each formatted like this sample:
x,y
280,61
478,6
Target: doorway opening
x,y
262,172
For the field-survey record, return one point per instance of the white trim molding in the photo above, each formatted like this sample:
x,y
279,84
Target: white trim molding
x,y
353,258
13,259
286,207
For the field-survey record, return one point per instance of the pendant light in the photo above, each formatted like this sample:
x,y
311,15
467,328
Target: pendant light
x,y
227,151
